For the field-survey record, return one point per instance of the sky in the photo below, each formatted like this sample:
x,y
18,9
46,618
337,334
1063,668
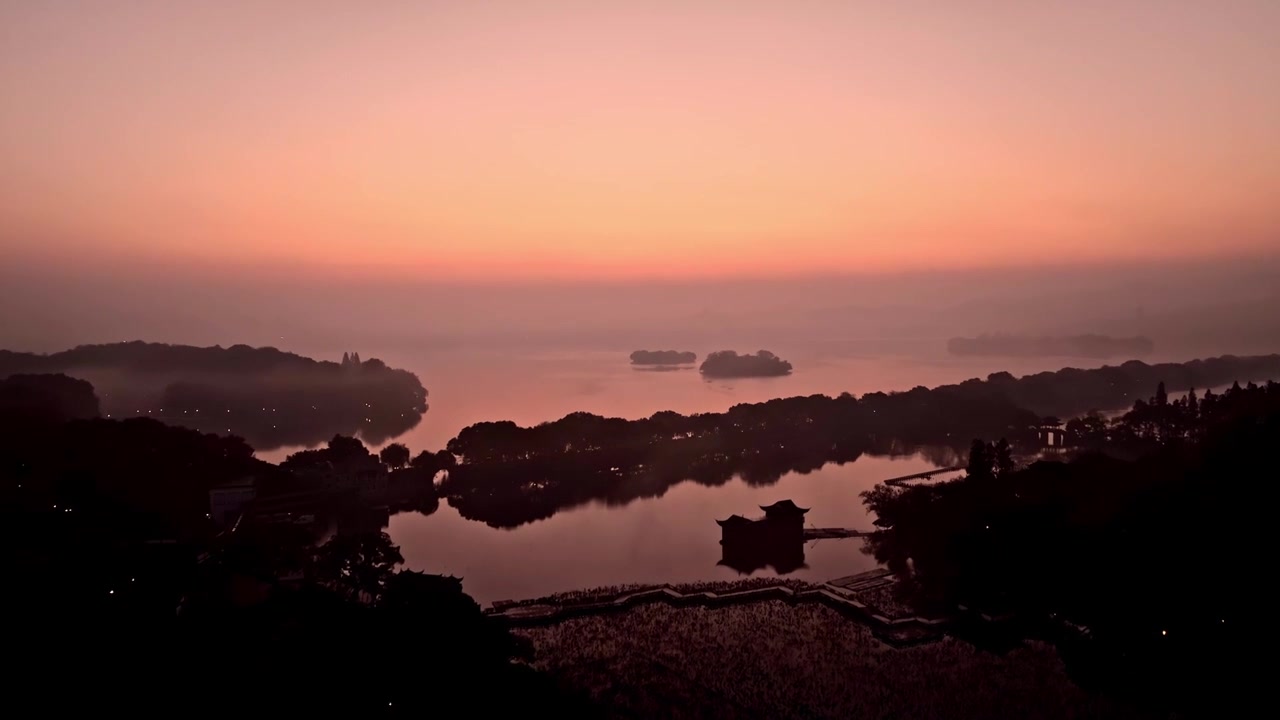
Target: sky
x,y
610,141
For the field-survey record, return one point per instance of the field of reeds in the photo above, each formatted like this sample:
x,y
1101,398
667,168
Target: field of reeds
x,y
588,596
773,659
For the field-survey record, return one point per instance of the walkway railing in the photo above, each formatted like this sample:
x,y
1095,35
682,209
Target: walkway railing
x,y
841,599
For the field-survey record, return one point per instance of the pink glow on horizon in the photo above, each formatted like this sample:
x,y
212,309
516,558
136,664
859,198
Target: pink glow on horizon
x,y
690,139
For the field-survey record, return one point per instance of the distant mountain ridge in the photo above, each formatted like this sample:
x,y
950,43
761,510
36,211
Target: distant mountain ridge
x,y
1079,346
268,396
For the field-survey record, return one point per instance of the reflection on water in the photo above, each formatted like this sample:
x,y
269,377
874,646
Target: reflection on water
x,y
782,559
672,538
669,538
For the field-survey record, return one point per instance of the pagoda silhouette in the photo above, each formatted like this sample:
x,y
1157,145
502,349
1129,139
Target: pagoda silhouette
x,y
774,541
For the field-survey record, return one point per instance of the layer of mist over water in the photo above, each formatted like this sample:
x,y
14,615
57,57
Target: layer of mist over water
x,y
536,353
530,385
672,538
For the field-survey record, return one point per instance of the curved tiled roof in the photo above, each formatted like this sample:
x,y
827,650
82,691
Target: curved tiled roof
x,y
784,506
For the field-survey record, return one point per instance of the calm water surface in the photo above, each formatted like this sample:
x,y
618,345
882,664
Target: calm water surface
x,y
672,538
531,386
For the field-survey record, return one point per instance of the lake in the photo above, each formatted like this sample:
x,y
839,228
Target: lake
x,y
530,385
671,538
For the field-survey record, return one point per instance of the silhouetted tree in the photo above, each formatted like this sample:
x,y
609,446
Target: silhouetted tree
x,y
46,399
395,455
343,449
981,462
1095,550
433,461
357,565
1003,457
109,535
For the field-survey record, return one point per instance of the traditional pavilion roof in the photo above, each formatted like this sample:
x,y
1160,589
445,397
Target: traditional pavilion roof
x,y
735,520
784,507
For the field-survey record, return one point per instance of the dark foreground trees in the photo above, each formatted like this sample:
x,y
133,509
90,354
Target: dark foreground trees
x,y
420,647
395,455
121,595
416,646
1150,573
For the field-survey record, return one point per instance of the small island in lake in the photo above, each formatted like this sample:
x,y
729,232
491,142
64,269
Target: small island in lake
x,y
729,364
663,357
269,397
508,475
1079,346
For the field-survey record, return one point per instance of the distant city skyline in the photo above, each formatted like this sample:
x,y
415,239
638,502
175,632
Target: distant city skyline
x,y
611,141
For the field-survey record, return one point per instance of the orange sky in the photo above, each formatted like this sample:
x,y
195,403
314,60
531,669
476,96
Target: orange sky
x,y
636,139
